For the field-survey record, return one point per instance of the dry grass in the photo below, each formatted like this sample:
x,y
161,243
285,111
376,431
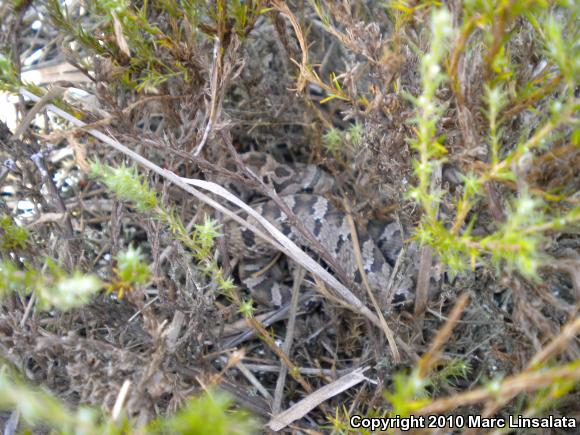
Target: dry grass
x,y
450,137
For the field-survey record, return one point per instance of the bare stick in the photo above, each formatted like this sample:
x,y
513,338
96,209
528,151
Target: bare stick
x,y
52,93
359,262
287,346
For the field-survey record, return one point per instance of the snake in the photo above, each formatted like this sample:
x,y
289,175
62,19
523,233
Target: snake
x,y
304,187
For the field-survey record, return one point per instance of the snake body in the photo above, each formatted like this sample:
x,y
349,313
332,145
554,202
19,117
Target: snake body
x,y
302,187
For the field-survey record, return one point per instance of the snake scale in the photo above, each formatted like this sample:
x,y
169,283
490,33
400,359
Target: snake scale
x,y
302,187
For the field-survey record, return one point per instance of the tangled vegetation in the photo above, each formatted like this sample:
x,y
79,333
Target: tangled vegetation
x,y
119,301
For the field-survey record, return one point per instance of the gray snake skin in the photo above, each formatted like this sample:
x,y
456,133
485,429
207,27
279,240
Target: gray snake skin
x,y
301,187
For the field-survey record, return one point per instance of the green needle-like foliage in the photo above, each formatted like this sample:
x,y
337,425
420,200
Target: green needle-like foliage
x,y
127,184
51,285
12,236
208,414
131,267
517,243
